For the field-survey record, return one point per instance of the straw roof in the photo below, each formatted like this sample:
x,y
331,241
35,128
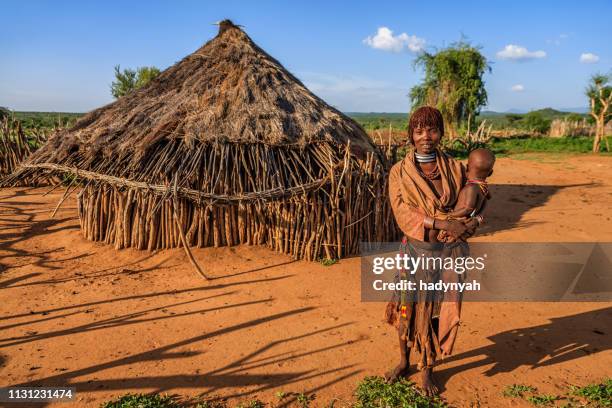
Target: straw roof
x,y
228,91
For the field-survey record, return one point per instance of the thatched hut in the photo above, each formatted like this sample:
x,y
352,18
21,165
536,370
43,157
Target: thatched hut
x,y
225,147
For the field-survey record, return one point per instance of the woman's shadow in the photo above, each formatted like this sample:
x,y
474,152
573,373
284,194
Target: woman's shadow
x,y
563,339
509,202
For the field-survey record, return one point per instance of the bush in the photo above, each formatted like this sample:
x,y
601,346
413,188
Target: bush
x,y
142,401
600,394
375,392
536,122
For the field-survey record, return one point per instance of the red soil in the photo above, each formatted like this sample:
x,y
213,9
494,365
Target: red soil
x,y
108,322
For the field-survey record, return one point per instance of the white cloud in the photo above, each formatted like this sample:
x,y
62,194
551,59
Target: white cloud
x,y
517,88
517,53
589,58
386,41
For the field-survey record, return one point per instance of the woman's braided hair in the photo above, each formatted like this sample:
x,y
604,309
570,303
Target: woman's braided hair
x,y
423,117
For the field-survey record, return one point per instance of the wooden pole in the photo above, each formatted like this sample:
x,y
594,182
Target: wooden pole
x,y
64,197
182,234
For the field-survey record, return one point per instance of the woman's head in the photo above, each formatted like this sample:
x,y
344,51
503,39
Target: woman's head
x,y
425,129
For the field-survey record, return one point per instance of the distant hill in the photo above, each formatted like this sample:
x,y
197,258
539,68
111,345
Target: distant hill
x,y
550,113
380,120
546,112
577,110
488,113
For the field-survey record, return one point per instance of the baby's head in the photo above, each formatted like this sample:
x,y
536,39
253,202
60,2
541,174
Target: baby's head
x,y
480,164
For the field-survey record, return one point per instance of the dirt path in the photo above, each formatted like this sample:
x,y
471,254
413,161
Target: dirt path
x,y
110,322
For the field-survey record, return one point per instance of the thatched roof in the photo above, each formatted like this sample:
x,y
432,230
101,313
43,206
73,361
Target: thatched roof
x,y
229,90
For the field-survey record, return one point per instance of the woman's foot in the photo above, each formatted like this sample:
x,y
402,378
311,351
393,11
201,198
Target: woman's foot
x,y
428,383
400,371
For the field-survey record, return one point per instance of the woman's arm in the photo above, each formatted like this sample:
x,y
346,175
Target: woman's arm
x,y
411,220
455,228
408,218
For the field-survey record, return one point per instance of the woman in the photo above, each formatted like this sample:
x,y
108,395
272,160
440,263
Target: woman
x,y
423,188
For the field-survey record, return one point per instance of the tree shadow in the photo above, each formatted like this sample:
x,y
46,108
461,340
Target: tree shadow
x,y
232,375
145,296
563,339
24,226
119,270
252,270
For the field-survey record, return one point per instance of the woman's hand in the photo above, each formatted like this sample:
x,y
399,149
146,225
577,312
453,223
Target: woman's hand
x,y
454,228
471,225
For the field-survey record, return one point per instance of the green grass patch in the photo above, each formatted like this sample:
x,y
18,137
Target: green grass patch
x,y
517,390
600,394
375,392
304,400
252,404
211,404
542,400
328,261
142,401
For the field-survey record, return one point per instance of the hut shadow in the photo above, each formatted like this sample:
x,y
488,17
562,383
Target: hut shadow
x,y
233,375
563,339
510,202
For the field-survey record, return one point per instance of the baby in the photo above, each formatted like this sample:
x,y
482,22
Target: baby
x,y
474,195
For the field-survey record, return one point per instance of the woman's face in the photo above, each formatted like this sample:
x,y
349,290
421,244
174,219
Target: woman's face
x,y
426,139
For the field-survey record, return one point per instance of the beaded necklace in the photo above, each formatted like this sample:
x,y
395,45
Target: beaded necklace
x,y
427,158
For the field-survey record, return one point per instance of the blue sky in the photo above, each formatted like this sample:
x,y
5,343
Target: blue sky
x,y
59,56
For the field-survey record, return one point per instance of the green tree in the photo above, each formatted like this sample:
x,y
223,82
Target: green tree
x,y
512,118
574,117
129,79
535,122
599,93
453,83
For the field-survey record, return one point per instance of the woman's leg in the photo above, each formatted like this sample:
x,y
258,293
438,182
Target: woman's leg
x,y
428,382
402,368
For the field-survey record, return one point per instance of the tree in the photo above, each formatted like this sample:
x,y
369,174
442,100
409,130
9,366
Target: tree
x,y
574,117
453,83
599,93
534,121
512,118
129,79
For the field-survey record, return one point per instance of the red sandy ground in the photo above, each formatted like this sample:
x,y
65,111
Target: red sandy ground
x,y
108,322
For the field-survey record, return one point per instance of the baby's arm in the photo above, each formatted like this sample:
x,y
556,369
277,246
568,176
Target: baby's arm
x,y
466,202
